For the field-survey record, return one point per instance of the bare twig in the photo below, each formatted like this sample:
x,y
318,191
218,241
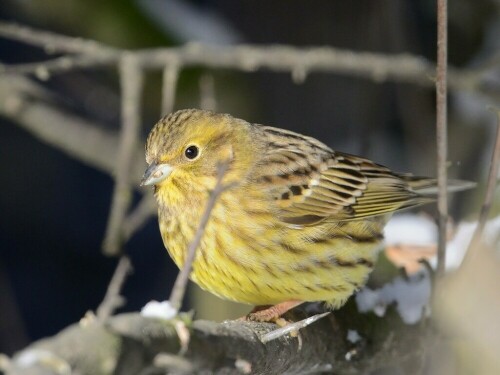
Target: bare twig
x,y
207,92
26,103
170,77
113,300
44,69
144,210
474,246
52,42
82,139
179,288
293,327
441,131
131,78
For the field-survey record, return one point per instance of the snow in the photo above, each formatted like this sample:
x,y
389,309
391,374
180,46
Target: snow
x,y
349,355
353,336
421,230
458,245
410,229
159,310
411,296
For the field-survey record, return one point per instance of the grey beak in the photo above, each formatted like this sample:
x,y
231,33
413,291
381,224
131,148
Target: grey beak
x,y
155,173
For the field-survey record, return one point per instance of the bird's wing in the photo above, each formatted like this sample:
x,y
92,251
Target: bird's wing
x,y
309,183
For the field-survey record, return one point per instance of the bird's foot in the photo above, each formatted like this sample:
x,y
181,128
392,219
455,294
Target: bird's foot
x,y
272,313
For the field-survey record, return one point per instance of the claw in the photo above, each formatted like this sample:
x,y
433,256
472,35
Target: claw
x,y
271,313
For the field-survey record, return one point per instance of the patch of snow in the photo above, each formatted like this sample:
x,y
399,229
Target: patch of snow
x,y
410,229
349,355
353,336
458,245
160,310
243,366
410,295
420,231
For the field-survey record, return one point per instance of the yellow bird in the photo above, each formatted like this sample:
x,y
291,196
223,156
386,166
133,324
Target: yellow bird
x,y
303,222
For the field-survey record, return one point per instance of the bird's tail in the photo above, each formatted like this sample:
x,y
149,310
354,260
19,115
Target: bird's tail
x,y
429,187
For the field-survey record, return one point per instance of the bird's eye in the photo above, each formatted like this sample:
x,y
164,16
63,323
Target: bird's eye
x,y
192,152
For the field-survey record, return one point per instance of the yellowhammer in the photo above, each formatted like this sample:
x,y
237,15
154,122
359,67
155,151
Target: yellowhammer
x,y
303,223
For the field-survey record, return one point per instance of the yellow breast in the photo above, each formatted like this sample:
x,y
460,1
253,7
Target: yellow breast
x,y
247,257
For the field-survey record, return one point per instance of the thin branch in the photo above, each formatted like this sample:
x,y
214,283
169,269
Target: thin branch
x,y
52,42
144,210
441,131
170,77
474,246
84,140
292,327
61,64
179,288
32,108
113,300
131,77
208,99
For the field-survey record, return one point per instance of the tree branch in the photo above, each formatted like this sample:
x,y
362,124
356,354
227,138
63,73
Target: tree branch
x,y
298,61
131,79
170,77
52,42
32,108
144,210
475,245
208,99
113,300
26,103
128,344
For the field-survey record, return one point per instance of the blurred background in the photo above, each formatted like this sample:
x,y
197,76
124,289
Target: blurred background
x,y
54,209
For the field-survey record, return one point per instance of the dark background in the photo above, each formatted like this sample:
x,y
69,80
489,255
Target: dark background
x,y
54,209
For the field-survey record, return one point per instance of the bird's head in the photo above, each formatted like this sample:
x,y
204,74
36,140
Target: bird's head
x,y
192,143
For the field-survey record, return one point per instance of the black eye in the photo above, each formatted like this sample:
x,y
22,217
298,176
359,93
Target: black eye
x,y
191,152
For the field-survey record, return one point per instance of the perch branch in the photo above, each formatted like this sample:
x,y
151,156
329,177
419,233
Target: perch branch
x,y
128,343
441,132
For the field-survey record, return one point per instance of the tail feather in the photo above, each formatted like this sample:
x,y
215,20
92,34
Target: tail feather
x,y
428,186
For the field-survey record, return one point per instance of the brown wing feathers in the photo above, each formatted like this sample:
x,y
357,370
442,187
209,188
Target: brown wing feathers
x,y
311,182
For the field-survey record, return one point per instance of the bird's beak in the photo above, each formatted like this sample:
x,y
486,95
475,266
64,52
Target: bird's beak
x,y
155,174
